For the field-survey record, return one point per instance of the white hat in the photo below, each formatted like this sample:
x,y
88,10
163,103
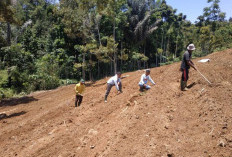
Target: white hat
x,y
191,47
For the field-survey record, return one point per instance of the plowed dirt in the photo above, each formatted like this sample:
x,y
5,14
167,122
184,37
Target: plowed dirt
x,y
163,121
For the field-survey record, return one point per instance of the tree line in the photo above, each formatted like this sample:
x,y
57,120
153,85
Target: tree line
x,y
44,42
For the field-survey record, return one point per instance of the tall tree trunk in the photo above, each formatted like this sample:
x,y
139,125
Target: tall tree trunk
x,y
115,66
90,68
176,44
90,75
115,53
162,45
83,67
134,65
9,43
167,49
98,62
99,35
144,53
8,34
156,60
111,68
164,52
98,69
121,58
176,49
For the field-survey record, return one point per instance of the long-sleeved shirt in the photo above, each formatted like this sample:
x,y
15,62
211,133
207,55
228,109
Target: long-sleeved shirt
x,y
114,81
79,88
144,79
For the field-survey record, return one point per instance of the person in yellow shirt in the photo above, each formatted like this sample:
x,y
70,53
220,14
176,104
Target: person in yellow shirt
x,y
79,89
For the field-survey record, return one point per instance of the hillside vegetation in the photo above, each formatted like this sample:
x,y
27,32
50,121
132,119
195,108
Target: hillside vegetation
x,y
163,121
47,43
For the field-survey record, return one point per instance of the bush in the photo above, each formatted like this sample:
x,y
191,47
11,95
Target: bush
x,y
153,65
46,76
176,59
49,82
198,53
167,63
219,49
2,95
68,81
42,82
3,78
6,93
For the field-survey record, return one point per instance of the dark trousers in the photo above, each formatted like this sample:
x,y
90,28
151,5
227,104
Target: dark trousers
x,y
185,74
78,99
142,88
108,88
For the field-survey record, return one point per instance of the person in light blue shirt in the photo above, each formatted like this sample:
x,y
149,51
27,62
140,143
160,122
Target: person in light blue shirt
x,y
144,80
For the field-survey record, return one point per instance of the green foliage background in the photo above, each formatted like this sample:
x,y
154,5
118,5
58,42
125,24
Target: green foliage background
x,y
44,44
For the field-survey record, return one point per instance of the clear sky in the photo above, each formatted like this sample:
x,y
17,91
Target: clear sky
x,y
194,8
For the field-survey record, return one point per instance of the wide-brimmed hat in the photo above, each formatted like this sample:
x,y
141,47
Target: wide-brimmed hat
x,y
191,47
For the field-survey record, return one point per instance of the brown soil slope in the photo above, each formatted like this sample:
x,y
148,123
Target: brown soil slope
x,y
161,122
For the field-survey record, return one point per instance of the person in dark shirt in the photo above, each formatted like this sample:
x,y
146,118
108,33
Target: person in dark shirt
x,y
185,66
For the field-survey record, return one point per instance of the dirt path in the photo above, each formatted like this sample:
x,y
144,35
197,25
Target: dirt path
x,y
161,122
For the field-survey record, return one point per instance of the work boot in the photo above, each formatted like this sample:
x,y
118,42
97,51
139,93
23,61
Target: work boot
x,y
185,86
105,99
185,89
182,85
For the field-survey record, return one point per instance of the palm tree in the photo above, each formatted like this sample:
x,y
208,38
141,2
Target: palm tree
x,y
141,21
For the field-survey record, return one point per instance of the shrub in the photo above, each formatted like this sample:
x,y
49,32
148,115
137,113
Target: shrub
x,y
6,93
176,59
42,82
3,78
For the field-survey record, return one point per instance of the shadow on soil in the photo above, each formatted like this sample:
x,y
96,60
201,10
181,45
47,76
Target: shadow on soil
x,y
191,85
5,116
16,101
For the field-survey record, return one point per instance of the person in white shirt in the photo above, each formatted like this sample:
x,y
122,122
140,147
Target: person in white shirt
x,y
114,81
144,79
